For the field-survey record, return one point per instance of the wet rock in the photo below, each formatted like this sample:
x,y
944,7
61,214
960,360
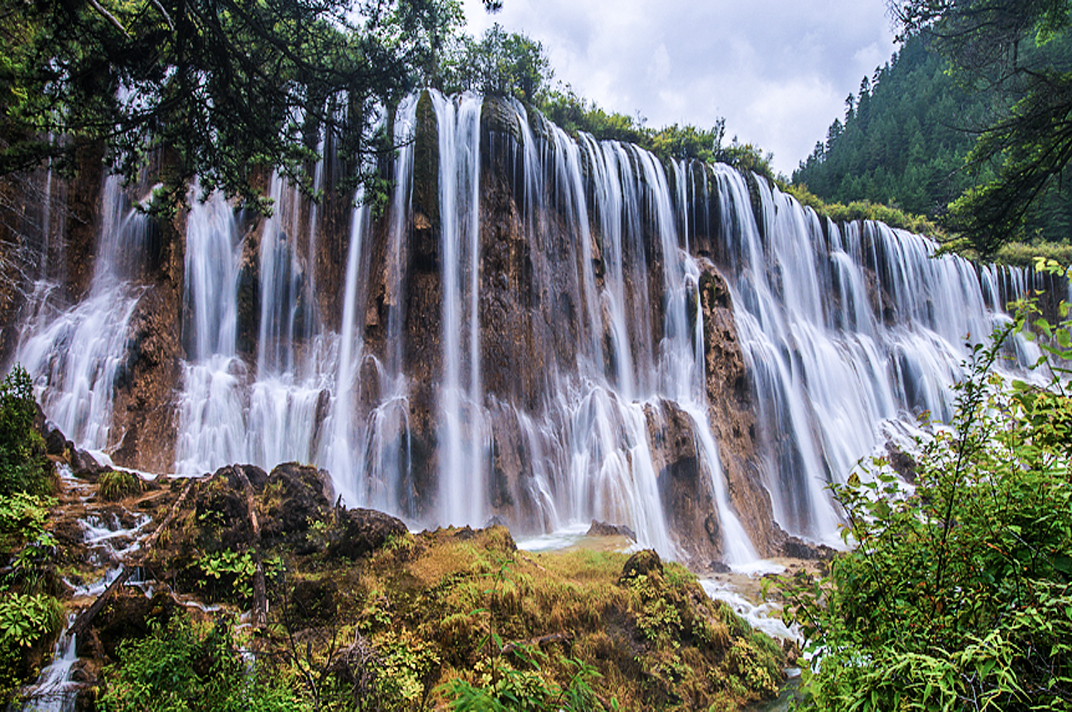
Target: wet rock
x,y
144,404
362,531
641,563
599,528
731,411
293,496
55,443
901,462
796,548
684,487
85,466
127,615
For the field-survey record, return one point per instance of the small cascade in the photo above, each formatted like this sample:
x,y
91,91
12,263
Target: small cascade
x,y
74,354
54,690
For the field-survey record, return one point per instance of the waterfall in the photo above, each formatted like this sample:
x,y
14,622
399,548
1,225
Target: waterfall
x,y
521,333
462,432
74,354
833,363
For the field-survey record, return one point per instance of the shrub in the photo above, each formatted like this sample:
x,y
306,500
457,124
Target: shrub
x,y
958,595
23,466
114,485
183,667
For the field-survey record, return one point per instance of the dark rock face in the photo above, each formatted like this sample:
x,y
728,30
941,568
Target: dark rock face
x,y
363,531
796,548
127,615
683,485
296,495
901,462
144,411
731,411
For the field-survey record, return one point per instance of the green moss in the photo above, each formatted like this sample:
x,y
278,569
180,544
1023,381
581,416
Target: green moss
x,y
115,485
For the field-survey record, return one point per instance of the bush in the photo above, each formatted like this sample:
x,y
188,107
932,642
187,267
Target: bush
x,y
23,466
182,667
114,485
958,595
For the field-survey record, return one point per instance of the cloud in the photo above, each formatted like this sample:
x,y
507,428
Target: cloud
x,y
777,70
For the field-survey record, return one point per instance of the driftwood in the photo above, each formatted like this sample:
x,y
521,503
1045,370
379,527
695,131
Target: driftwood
x,y
86,617
260,600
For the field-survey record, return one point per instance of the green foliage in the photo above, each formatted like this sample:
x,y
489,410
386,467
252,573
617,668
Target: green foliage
x,y
23,467
235,570
958,594
513,690
565,108
1023,255
23,519
184,668
28,615
1015,55
26,619
573,113
657,616
865,210
903,139
222,88
114,485
499,63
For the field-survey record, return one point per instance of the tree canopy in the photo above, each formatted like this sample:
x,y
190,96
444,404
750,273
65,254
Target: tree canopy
x,y
219,85
1016,52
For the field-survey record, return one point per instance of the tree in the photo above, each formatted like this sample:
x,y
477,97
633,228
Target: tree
x,y
1017,49
219,86
500,63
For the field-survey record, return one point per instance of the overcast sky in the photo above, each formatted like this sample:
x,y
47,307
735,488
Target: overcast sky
x,y
777,70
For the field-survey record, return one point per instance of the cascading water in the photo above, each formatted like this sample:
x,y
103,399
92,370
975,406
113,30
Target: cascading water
x,y
75,354
531,343
461,432
833,362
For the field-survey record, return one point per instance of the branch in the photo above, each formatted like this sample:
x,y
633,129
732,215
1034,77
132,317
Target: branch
x,y
167,17
109,17
260,600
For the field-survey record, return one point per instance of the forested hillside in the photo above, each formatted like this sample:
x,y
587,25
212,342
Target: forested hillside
x,y
905,140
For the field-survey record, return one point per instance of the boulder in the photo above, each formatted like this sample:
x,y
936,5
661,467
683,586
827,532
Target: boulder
x,y
599,528
293,497
796,548
642,563
362,531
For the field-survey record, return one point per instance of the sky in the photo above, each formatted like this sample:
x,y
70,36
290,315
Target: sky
x,y
777,70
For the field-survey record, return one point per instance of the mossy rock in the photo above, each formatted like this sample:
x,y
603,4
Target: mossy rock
x,y
642,563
